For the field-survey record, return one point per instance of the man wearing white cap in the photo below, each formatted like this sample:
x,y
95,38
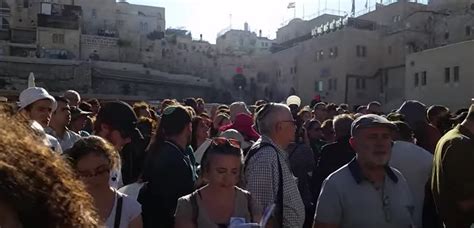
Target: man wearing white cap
x,y
36,104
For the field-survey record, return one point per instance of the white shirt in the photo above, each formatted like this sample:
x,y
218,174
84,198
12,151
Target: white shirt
x,y
131,209
67,140
54,144
415,164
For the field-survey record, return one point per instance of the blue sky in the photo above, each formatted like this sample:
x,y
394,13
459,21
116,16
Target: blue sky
x,y
209,17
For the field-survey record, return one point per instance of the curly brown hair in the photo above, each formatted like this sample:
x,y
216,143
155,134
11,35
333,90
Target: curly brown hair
x,y
95,145
38,184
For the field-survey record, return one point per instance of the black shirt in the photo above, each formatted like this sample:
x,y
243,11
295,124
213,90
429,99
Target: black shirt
x,y
169,175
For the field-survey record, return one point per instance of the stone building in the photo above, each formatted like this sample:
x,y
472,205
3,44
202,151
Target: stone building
x,y
357,60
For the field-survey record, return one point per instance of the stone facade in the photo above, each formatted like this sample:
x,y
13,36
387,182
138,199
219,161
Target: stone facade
x,y
433,74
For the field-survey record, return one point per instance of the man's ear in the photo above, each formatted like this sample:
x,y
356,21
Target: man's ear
x,y
352,142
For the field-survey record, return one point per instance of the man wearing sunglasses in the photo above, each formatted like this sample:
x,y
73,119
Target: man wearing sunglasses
x,y
366,192
267,174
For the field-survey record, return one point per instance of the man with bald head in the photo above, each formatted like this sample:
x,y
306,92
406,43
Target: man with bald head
x,y
267,174
73,97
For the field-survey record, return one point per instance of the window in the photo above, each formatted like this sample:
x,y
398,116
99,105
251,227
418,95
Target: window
x,y
333,52
358,83
319,55
334,84
363,83
417,80
386,79
468,30
94,13
119,23
58,38
361,51
26,3
456,74
446,35
423,78
447,75
318,86
330,84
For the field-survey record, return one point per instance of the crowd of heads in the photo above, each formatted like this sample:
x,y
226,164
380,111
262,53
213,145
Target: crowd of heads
x,y
55,197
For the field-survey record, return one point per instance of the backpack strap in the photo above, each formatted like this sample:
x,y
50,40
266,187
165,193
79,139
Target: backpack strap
x,y
249,205
118,211
279,199
194,207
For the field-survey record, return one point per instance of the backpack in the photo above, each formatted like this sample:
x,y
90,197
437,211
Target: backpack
x,y
279,199
195,207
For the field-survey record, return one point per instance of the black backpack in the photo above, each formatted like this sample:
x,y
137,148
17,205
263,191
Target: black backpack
x,y
279,200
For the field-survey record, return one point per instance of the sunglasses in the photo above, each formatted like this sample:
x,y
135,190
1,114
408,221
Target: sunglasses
x,y
221,141
93,173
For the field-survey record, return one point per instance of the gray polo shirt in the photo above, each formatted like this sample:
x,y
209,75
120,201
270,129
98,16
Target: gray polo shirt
x,y
348,199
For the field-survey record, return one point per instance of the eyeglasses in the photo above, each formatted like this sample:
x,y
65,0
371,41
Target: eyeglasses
x,y
96,172
218,141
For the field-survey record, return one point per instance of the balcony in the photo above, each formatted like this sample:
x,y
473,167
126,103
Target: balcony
x,y
59,16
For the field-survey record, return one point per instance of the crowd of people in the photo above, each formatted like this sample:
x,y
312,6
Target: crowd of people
x,y
69,162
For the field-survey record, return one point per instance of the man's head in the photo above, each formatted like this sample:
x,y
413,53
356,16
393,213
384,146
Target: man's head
x,y
294,103
403,132
331,110
175,122
116,122
313,129
36,104
200,106
374,107
73,97
62,115
372,140
276,121
437,114
319,111
78,119
95,106
191,102
362,109
342,125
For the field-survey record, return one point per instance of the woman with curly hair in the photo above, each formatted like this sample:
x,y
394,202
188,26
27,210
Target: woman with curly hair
x,y
37,188
93,159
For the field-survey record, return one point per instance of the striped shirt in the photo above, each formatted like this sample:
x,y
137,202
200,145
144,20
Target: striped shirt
x,y
261,178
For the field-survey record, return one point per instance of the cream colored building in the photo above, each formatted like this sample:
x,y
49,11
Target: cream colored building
x,y
442,75
358,60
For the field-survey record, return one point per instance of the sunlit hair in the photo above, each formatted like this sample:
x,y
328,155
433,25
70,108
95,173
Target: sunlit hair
x,y
142,105
93,145
37,183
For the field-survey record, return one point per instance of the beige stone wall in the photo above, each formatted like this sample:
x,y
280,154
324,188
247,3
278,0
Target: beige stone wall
x,y
453,94
71,40
105,47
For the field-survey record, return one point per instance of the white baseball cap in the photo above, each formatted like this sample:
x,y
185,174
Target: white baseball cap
x,y
293,100
33,94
